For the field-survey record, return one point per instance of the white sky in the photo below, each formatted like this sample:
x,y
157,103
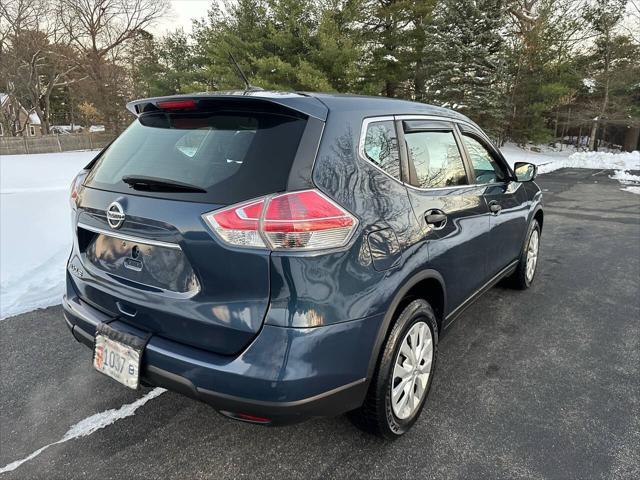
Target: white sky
x,y
180,15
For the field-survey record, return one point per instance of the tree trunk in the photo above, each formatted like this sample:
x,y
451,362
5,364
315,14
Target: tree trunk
x,y
579,144
592,136
605,100
46,124
632,139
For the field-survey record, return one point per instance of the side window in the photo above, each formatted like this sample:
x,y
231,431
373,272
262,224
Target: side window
x,y
381,147
485,168
436,158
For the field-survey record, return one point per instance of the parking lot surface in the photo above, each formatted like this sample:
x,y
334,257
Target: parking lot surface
x,y
537,384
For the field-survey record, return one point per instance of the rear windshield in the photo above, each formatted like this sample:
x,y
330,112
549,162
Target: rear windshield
x,y
234,156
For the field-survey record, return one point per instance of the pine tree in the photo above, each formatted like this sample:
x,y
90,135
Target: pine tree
x,y
465,60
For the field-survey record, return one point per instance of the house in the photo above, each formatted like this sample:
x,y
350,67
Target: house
x,y
13,116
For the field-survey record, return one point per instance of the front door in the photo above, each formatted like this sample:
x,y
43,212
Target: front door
x,y
505,198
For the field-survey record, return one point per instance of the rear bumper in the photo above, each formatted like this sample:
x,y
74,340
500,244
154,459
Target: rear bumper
x,y
286,374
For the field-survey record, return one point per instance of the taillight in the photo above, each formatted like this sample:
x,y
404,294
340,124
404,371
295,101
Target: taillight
x,y
238,225
75,188
305,220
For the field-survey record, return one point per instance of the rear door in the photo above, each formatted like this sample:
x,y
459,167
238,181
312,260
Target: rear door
x,y
506,200
161,268
450,209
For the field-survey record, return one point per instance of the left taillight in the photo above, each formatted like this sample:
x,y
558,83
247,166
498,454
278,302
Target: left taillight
x,y
304,220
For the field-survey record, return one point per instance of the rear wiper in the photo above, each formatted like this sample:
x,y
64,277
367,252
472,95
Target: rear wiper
x,y
155,184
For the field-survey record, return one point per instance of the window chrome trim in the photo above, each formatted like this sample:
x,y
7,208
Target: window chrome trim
x,y
363,136
369,120
130,238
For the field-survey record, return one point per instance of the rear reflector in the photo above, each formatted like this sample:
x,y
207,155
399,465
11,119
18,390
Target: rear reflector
x,y
305,220
177,104
246,417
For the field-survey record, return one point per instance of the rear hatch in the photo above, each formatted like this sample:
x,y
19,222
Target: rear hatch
x,y
145,252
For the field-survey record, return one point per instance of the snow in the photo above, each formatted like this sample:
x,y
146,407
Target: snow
x,y
625,177
513,154
35,228
590,84
635,190
91,424
390,58
34,119
548,161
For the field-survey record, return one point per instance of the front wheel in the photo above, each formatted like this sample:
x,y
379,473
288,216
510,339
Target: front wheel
x,y
525,272
402,380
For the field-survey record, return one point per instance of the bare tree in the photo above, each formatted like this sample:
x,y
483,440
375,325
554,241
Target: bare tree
x,y
632,20
99,30
36,57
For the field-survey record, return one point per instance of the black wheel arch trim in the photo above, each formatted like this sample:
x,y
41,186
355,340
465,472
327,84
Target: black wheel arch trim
x,y
534,212
400,294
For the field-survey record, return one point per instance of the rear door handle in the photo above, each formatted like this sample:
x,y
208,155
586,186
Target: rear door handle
x,y
495,207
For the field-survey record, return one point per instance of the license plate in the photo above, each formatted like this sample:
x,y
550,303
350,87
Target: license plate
x,y
117,360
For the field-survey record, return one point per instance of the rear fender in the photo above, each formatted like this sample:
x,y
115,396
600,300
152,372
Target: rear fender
x,y
390,315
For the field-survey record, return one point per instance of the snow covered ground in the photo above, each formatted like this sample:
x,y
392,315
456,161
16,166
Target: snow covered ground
x,y
35,231
549,161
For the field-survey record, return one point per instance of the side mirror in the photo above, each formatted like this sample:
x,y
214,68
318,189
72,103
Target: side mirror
x,y
525,172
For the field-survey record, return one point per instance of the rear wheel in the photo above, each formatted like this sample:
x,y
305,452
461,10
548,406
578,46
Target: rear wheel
x,y
525,272
400,385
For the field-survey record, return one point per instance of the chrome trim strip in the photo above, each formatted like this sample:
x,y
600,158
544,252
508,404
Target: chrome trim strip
x,y
363,136
363,131
129,238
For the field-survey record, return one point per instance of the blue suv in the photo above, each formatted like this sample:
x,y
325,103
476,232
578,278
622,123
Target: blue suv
x,y
283,256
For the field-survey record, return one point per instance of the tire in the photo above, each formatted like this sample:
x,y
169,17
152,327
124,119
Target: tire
x,y
520,279
378,413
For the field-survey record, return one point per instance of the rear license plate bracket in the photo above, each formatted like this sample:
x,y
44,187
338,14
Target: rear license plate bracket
x,y
118,355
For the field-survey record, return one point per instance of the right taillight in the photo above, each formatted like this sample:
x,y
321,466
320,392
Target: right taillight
x,y
75,187
304,220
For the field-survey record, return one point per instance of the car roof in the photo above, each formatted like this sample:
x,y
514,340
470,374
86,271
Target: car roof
x,y
319,104
378,105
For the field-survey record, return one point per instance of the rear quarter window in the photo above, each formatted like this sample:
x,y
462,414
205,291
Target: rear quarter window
x,y
381,147
232,156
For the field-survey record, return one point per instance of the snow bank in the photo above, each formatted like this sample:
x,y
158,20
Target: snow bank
x,y
35,228
596,160
626,177
548,161
514,154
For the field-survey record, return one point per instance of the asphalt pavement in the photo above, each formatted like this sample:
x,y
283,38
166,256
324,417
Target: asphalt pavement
x,y
537,384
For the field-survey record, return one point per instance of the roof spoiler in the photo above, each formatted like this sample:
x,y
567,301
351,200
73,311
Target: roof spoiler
x,y
304,104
